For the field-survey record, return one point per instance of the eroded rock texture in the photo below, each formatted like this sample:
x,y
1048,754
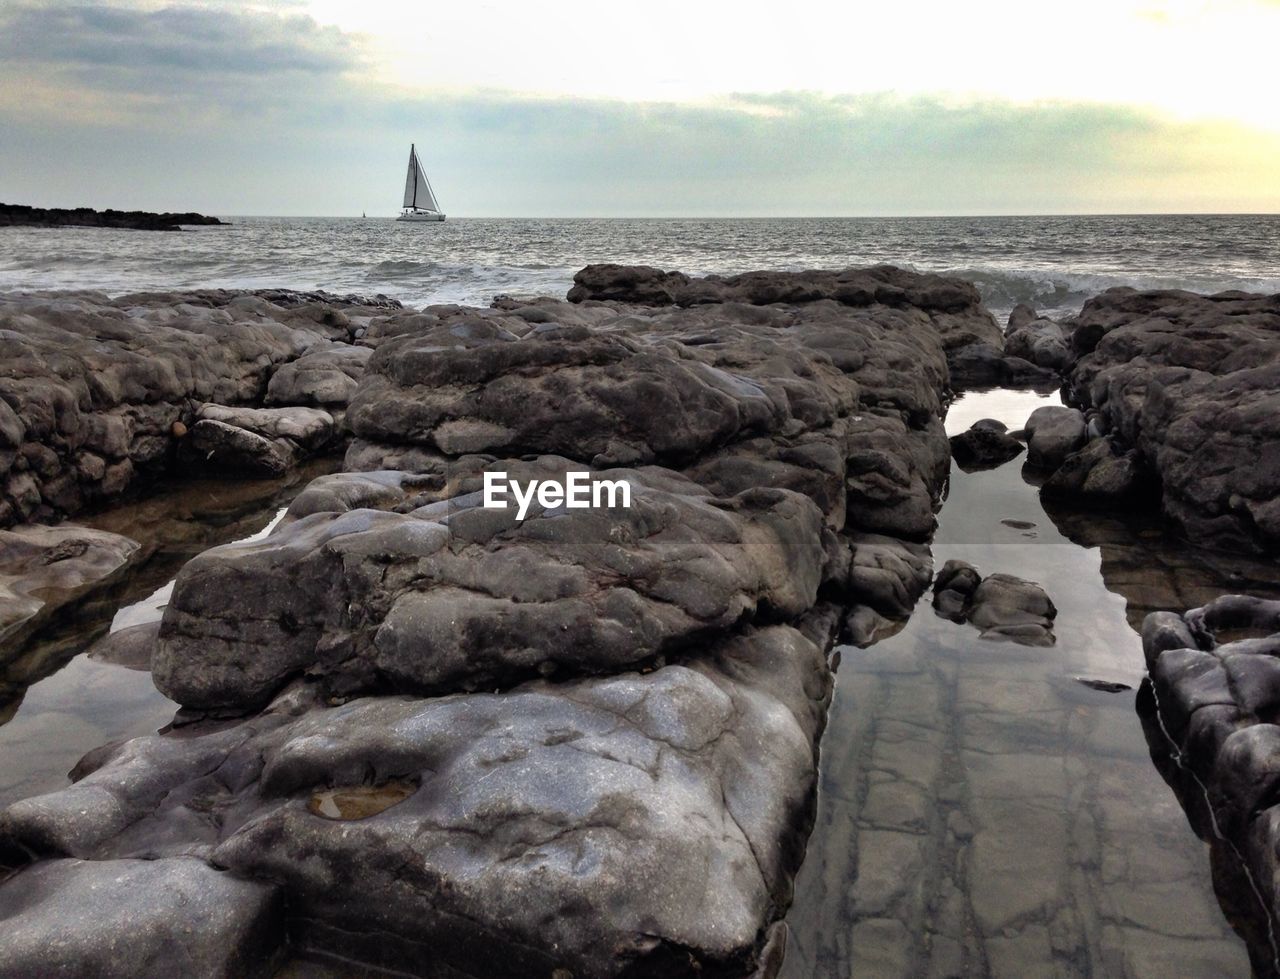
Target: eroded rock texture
x,y
1214,733
454,595
952,305
840,403
638,824
45,569
97,394
458,741
1192,384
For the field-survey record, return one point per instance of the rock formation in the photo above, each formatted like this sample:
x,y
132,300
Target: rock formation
x,y
1211,708
1001,606
12,215
1191,384
449,739
97,394
984,446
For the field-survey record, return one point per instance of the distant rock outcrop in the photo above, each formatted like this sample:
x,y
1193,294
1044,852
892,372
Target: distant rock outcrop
x,y
12,215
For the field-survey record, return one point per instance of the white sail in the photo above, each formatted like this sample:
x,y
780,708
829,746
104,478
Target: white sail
x,y
417,190
411,181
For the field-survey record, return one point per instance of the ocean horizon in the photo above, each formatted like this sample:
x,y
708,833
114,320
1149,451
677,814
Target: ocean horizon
x,y
1053,262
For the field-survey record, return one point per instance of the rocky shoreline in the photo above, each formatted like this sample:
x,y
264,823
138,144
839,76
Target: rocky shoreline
x,y
428,735
24,216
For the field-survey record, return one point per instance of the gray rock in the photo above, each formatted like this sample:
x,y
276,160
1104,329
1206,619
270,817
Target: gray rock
x,y
458,596
97,392
983,447
1041,342
1102,473
1053,433
137,918
256,442
47,569
132,647
1001,606
1192,383
572,825
323,378
1210,725
790,396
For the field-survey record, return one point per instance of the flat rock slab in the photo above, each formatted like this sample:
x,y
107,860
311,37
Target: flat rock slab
x,y
645,824
43,569
121,919
457,596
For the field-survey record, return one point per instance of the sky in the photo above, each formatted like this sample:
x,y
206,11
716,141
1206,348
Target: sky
x,y
563,108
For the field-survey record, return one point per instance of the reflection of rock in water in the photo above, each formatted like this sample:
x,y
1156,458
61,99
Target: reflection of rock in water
x,y
1153,571
1208,713
171,525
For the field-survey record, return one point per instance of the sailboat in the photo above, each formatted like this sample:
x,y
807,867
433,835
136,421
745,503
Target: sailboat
x,y
419,201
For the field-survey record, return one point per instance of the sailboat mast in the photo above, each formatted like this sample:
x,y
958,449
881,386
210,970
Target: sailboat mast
x,y
413,162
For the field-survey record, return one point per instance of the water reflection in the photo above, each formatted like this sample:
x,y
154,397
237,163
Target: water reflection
x,y
984,813
60,703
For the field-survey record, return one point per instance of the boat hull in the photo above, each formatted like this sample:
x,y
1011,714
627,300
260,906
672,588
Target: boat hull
x,y
420,216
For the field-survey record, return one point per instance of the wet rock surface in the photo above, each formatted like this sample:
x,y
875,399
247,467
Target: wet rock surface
x,y
98,394
455,595
146,918
540,807
1191,383
1038,340
254,442
953,306
47,569
983,446
1211,706
457,738
1001,606
1053,433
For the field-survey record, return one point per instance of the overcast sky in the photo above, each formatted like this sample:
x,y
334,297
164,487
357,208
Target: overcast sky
x,y
568,107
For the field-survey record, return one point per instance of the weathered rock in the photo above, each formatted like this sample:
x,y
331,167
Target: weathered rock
x,y
788,395
1002,606
887,574
257,442
953,305
47,569
458,596
572,825
1053,433
1101,473
137,918
325,378
983,447
1211,726
96,393
1193,384
1038,340
644,814
984,365
132,647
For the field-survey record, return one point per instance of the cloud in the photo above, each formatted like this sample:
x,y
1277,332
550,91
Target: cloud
x,y
234,111
130,48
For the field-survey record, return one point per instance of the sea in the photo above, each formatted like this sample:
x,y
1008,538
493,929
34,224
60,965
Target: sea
x,y
1054,263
